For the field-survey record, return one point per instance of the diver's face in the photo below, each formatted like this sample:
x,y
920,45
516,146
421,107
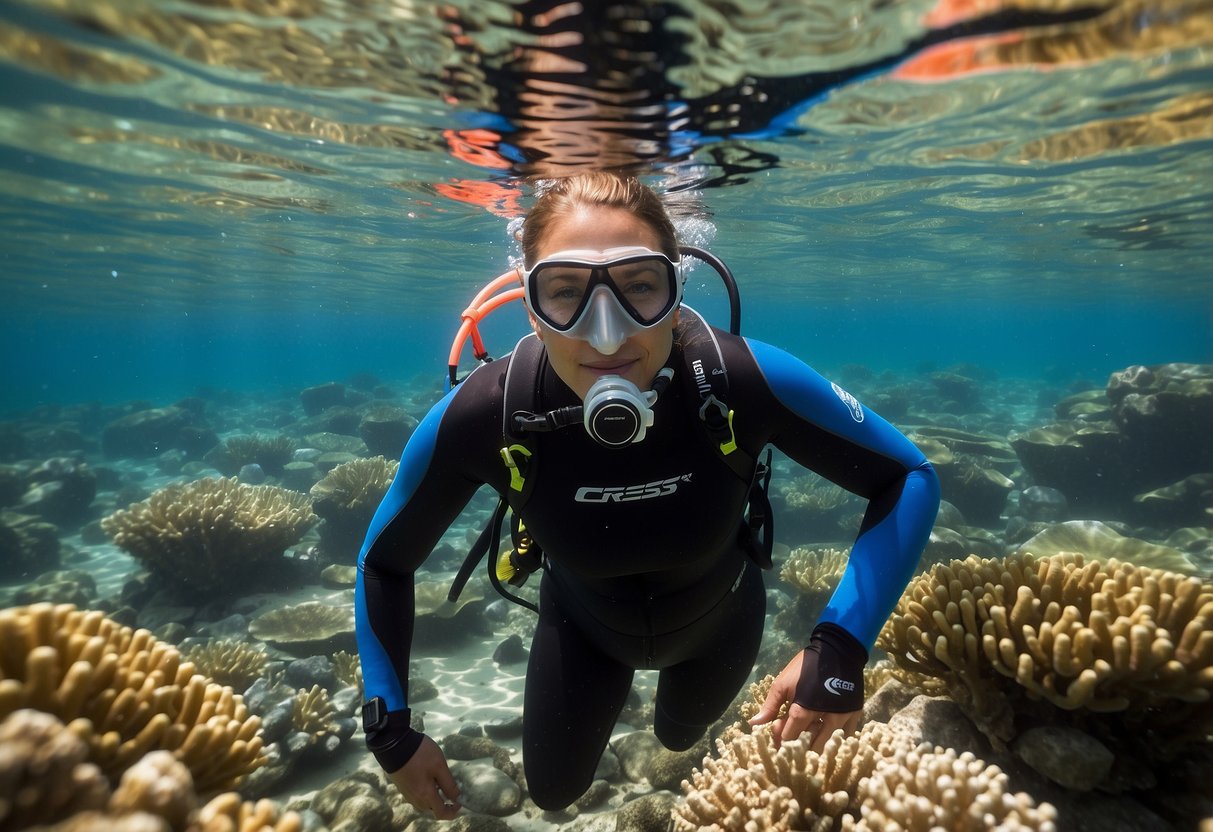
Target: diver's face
x,y
642,354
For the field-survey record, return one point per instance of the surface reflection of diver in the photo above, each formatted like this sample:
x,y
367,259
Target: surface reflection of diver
x,y
589,86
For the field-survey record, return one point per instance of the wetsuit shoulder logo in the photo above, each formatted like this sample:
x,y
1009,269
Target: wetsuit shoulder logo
x,y
850,401
836,686
630,493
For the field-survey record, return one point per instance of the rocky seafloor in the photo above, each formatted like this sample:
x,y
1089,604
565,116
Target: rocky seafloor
x,y
227,525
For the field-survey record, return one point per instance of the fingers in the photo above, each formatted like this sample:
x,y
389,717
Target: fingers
x,y
770,708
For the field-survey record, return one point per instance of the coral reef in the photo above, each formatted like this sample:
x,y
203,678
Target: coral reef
x,y
973,470
385,429
1098,541
874,780
812,574
272,453
236,664
346,499
348,669
313,712
1080,635
306,629
124,692
44,771
1154,435
28,546
211,533
808,508
44,779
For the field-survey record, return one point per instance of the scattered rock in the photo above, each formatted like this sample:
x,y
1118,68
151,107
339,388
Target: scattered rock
x,y
510,651
487,790
1065,755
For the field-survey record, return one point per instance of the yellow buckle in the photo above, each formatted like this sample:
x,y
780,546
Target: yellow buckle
x,y
727,448
517,480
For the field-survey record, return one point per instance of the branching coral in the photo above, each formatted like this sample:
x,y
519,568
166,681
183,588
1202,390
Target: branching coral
x,y
44,771
347,667
814,494
124,692
814,571
874,780
234,663
313,712
354,486
43,780
1103,638
211,532
347,498
813,574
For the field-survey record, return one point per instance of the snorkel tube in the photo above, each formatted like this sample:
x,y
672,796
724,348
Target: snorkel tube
x,y
730,283
481,305
488,299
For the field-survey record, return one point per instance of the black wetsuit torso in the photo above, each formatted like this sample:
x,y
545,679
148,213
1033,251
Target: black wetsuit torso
x,y
644,569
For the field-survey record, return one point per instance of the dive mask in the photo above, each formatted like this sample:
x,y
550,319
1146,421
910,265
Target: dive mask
x,y
603,297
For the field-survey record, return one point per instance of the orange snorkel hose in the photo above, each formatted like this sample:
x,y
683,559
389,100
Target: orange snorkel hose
x,y
484,303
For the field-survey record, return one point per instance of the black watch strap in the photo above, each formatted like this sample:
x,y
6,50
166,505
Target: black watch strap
x,y
389,735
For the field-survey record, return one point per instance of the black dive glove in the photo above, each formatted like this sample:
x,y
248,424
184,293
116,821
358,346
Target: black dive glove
x,y
831,673
388,735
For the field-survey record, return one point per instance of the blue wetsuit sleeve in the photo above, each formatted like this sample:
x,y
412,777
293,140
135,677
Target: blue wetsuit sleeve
x,y
824,428
397,542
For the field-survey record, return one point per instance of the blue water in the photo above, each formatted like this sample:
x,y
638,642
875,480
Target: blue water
x,y
205,197
275,354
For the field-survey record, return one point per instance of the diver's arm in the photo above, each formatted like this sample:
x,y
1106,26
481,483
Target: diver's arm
x,y
822,427
426,495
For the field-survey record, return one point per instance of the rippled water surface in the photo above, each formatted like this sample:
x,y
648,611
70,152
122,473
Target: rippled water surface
x,y
247,192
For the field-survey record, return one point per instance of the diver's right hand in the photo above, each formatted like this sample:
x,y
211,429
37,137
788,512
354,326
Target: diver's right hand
x,y
426,781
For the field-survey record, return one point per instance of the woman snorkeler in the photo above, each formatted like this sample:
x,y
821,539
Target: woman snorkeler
x,y
642,524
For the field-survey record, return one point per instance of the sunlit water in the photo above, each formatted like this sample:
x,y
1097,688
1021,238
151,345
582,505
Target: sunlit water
x,y
257,194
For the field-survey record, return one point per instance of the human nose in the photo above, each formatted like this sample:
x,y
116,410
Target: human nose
x,y
606,336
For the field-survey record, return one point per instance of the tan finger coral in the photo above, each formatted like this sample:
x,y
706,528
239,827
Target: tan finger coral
x,y
312,712
124,692
814,571
1103,638
45,779
355,486
212,532
236,664
44,771
347,498
874,780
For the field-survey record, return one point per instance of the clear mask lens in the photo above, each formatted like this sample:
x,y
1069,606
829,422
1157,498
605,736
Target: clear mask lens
x,y
564,291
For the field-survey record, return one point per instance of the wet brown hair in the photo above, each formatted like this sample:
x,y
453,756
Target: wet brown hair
x,y
601,189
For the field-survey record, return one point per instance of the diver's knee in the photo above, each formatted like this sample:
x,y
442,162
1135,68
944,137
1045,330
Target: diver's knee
x,y
675,735
552,795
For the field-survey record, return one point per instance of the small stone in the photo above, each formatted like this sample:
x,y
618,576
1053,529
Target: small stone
x,y
487,790
300,476
1040,503
1065,755
504,729
636,752
314,670
510,651
252,474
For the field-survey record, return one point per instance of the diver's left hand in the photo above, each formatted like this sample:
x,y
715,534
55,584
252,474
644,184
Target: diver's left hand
x,y
820,724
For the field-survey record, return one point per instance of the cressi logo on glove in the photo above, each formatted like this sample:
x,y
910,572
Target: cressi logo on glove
x,y
838,687
831,672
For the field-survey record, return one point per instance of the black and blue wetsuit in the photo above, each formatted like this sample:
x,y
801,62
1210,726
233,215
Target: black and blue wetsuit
x,y
643,565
